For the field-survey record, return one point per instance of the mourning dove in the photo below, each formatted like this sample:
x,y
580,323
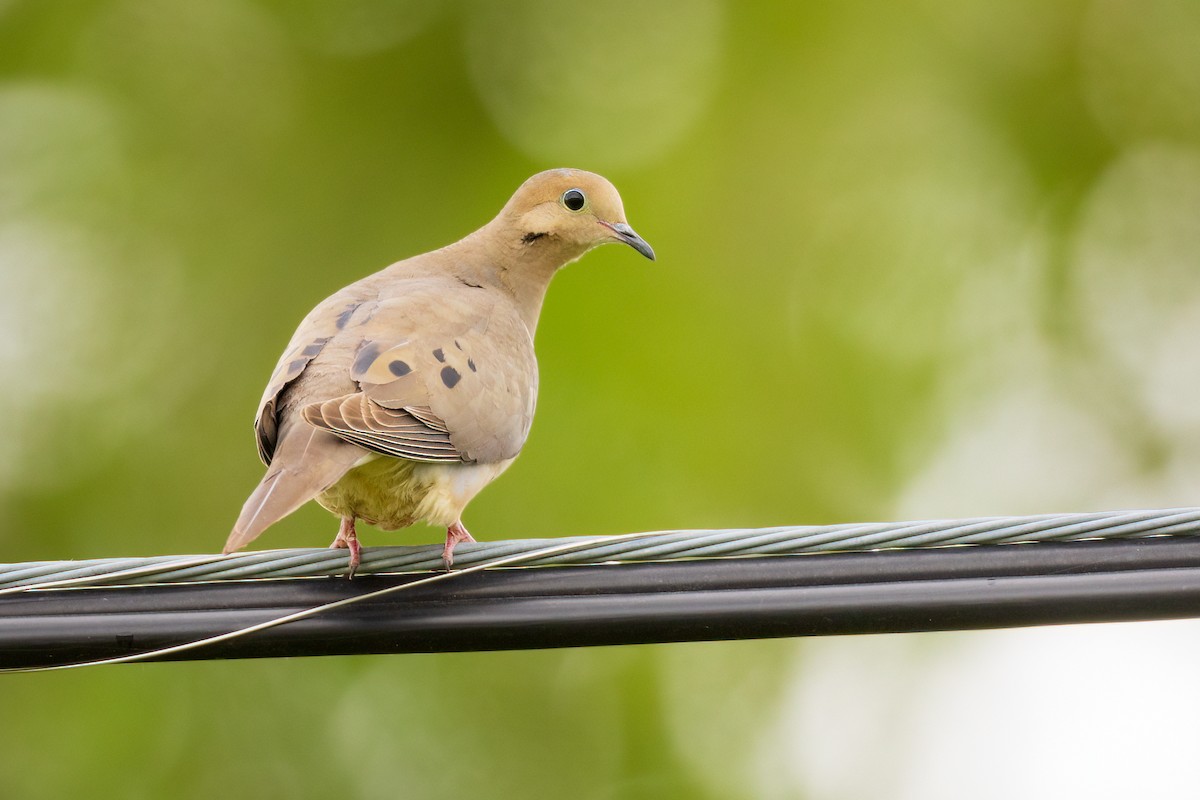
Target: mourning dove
x,y
404,394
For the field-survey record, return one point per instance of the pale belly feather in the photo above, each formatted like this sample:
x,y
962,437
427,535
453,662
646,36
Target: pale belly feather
x,y
394,493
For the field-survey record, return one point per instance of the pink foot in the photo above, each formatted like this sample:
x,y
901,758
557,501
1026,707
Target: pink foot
x,y
347,538
454,534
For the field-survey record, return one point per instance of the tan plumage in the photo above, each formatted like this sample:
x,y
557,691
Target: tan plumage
x,y
405,393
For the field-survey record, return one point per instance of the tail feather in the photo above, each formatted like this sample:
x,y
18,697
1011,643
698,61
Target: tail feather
x,y
306,462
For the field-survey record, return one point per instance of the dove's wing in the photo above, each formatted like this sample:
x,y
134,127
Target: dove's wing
x,y
332,316
442,374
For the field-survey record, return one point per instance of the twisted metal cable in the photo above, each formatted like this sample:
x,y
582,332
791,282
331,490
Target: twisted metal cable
x,y
654,546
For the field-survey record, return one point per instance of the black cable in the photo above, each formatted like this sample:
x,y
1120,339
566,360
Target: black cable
x,y
952,588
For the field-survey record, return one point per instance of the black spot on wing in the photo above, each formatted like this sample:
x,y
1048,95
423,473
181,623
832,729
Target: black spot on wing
x,y
471,364
450,377
456,344
297,365
399,368
367,353
439,355
315,347
345,316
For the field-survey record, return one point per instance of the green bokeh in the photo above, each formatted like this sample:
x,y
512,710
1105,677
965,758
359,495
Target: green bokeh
x,y
893,240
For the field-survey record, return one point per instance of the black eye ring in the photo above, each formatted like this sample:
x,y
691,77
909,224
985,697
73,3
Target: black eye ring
x,y
574,200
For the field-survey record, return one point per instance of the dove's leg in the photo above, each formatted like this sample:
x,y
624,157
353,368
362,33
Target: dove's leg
x,y
454,534
347,538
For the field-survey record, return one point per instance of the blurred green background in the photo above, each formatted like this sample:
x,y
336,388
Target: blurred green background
x,y
921,259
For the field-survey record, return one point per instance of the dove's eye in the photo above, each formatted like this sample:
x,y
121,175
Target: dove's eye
x,y
574,200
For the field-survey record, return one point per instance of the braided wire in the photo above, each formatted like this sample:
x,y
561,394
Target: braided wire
x,y
652,546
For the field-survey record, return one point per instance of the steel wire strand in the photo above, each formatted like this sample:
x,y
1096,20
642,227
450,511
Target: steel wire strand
x,y
653,546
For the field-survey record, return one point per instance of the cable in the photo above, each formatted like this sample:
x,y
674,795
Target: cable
x,y
951,588
656,546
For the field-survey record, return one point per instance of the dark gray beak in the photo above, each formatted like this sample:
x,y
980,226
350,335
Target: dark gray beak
x,y
627,235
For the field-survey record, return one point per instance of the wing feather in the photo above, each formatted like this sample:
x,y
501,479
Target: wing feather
x,y
391,432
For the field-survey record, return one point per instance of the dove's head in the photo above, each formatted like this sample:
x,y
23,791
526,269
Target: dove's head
x,y
570,211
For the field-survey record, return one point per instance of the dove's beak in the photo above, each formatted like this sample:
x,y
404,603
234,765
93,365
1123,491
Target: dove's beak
x,y
627,235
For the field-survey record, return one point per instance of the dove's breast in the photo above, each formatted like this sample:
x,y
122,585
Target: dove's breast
x,y
394,493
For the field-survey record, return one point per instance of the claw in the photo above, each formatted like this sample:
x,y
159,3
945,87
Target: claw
x,y
454,534
347,538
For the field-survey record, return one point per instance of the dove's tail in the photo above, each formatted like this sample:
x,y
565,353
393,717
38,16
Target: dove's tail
x,y
307,462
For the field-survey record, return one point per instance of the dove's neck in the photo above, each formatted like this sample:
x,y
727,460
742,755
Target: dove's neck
x,y
496,256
